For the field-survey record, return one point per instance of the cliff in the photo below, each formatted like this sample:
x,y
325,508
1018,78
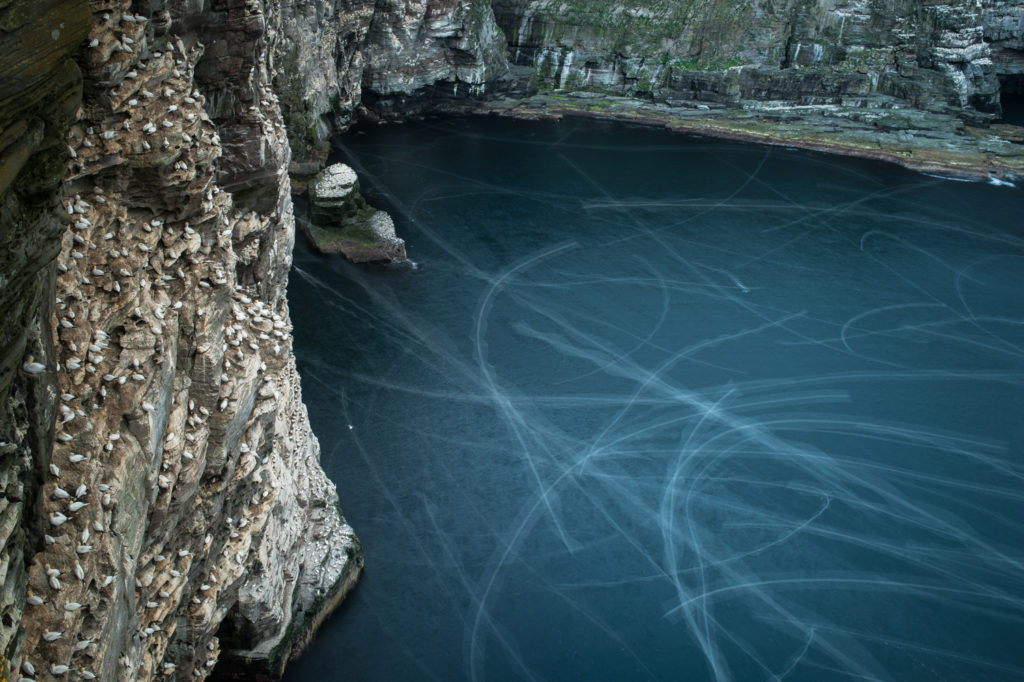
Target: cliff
x,y
337,60
930,54
916,82
1003,26
163,507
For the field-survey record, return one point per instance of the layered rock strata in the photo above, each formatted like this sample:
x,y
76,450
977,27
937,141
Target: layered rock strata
x,y
340,220
336,60
864,63
930,54
180,513
1003,23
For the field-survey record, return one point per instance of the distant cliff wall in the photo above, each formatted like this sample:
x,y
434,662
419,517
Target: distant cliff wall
x,y
1003,23
337,59
929,54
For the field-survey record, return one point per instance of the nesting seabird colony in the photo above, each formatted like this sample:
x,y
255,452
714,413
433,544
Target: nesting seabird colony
x,y
182,454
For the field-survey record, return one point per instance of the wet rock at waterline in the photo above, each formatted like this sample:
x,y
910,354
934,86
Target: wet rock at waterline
x,y
342,222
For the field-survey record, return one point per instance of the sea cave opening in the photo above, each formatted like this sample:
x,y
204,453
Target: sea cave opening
x,y
1011,96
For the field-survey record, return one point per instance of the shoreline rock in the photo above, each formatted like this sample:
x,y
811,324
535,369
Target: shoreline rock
x,y
340,220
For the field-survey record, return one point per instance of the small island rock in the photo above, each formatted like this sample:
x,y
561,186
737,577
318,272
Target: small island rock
x,y
340,220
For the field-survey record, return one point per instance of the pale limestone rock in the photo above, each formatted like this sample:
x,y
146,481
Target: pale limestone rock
x,y
333,184
340,220
382,227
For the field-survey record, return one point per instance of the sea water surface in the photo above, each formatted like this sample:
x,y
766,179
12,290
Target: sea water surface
x,y
658,407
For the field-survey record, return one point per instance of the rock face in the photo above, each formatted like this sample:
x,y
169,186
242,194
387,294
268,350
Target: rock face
x,y
332,192
337,58
338,61
340,220
164,502
931,54
1003,23
40,89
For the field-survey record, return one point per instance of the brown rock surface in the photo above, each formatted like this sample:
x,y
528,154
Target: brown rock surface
x,y
183,490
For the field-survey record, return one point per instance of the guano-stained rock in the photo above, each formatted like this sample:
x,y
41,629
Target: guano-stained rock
x,y
183,515
340,220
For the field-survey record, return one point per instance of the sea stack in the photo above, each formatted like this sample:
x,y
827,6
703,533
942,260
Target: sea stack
x,y
342,222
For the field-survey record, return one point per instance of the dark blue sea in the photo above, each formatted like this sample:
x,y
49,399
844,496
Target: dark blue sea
x,y
658,407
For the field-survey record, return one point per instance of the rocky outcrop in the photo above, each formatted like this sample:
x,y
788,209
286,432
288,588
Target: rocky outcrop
x,y
336,59
153,426
340,220
1003,22
432,45
318,71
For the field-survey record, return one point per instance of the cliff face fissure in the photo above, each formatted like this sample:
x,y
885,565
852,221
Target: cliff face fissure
x,y
163,506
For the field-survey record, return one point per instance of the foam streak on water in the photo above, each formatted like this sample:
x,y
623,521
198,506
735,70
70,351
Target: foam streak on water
x,y
652,407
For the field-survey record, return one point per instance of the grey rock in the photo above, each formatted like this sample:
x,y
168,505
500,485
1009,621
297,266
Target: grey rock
x,y
145,211
340,220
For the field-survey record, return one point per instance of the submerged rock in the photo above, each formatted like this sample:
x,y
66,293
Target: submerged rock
x,y
340,220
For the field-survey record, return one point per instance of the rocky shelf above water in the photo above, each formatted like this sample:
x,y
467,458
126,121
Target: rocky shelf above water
x,y
925,141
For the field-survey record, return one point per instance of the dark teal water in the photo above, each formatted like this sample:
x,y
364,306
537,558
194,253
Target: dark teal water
x,y
1013,109
655,407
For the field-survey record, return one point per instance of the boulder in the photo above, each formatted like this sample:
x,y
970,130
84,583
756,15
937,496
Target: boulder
x,y
340,220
